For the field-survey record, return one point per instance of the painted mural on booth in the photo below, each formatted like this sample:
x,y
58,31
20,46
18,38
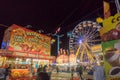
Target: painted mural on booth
x,y
24,40
111,28
110,34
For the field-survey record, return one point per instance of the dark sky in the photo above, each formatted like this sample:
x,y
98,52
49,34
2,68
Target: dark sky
x,y
48,15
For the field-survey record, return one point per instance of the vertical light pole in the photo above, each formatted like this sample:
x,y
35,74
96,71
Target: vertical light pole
x,y
58,41
69,35
117,5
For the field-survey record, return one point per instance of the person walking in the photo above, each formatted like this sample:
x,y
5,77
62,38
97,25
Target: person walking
x,y
98,73
2,71
79,69
45,68
7,72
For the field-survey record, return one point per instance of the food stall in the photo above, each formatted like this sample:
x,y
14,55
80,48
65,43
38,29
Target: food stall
x,y
65,62
24,49
97,51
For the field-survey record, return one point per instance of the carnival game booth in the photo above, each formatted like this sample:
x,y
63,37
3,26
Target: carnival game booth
x,y
97,51
65,60
24,50
65,63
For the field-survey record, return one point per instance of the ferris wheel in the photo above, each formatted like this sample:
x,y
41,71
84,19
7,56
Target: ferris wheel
x,y
83,37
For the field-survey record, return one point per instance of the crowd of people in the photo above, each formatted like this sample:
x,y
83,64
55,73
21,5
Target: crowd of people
x,y
96,71
44,72
5,72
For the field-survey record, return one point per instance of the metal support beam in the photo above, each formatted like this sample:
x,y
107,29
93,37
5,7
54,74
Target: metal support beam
x,y
117,5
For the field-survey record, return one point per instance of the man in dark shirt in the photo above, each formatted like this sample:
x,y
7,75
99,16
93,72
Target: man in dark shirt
x,y
79,69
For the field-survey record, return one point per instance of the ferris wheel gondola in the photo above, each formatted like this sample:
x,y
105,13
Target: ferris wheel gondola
x,y
83,37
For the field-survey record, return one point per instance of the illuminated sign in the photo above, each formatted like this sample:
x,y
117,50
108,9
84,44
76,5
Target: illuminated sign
x,y
96,48
27,41
111,28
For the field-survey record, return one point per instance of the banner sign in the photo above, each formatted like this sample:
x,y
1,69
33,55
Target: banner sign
x,y
27,41
106,6
111,28
96,48
111,50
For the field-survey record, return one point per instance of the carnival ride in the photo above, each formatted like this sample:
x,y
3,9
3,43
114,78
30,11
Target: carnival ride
x,y
83,37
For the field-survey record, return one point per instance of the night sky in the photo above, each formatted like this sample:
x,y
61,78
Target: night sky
x,y
48,15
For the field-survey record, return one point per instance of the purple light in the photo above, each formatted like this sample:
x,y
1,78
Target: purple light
x,y
80,41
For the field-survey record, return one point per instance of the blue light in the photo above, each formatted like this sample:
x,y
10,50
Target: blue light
x,y
80,41
4,45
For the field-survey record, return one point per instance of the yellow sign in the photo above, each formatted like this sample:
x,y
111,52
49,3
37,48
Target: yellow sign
x,y
96,48
111,51
111,28
110,23
27,41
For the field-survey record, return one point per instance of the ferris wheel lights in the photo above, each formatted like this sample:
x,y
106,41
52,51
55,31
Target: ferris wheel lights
x,y
84,25
79,27
89,21
84,36
80,41
98,29
98,26
94,23
89,24
84,22
94,26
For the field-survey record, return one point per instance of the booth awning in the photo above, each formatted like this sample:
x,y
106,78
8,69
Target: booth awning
x,y
8,53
